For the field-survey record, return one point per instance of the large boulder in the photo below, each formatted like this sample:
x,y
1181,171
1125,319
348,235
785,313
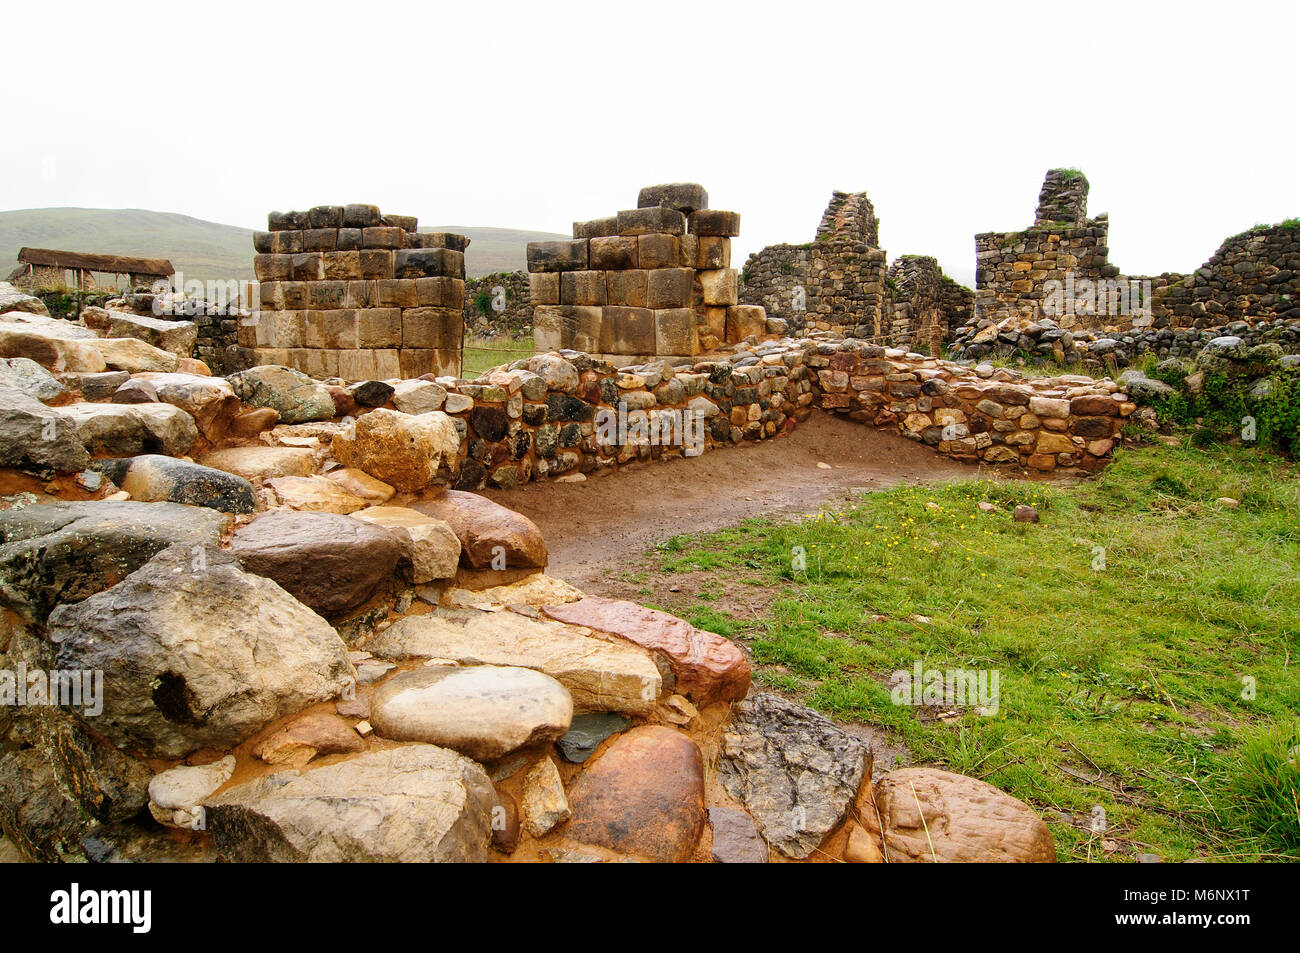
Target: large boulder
x,y
262,463
403,450
30,379
793,769
707,667
491,536
36,438
211,401
412,804
644,797
51,348
178,337
124,430
930,815
66,551
41,821
292,394
11,299
482,711
133,355
198,653
155,478
328,562
600,675
431,549
107,785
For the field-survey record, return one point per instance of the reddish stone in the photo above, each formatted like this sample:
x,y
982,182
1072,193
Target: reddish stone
x,y
344,404
644,797
1093,406
253,422
708,667
482,526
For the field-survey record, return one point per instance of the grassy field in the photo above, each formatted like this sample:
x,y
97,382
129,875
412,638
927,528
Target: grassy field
x,y
482,353
1143,634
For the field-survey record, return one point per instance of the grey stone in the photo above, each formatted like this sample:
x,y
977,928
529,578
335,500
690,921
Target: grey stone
x,y
735,837
31,379
587,732
793,769
160,479
292,394
415,804
196,653
36,438
66,551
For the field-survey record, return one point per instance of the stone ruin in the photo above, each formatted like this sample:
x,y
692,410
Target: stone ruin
x,y
348,292
654,281
842,283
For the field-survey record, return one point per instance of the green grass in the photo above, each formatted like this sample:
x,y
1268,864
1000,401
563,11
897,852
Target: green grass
x,y
483,353
1121,687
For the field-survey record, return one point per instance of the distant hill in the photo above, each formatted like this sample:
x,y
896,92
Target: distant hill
x,y
201,249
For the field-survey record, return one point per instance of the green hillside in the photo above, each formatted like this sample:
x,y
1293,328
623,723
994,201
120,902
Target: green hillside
x,y
201,249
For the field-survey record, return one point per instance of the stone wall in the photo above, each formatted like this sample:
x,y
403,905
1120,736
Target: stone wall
x,y
1252,275
489,313
651,281
557,413
842,283
345,291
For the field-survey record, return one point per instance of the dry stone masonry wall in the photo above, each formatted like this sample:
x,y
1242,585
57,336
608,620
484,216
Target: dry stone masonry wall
x,y
651,281
348,292
499,304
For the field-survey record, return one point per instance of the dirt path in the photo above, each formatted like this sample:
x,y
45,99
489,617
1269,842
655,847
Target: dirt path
x,y
607,521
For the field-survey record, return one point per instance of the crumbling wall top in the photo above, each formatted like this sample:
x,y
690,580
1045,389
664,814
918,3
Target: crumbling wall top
x,y
1063,199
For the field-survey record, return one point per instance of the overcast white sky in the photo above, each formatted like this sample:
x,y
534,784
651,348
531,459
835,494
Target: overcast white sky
x,y
533,115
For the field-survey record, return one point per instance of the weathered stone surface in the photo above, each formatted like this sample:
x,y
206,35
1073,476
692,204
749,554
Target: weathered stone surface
x,y
328,562
124,430
931,815
197,653
133,355
361,485
587,732
178,337
707,667
403,450
313,494
41,821
371,393
307,736
13,300
293,395
211,401
735,837
429,547
30,379
418,397
644,796
36,438
262,463
537,589
143,842
154,478
176,795
108,785
793,770
413,804
544,801
66,551
601,676
135,392
491,536
861,847
482,711
50,348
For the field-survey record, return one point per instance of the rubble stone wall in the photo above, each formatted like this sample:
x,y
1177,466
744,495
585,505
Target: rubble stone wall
x,y
482,315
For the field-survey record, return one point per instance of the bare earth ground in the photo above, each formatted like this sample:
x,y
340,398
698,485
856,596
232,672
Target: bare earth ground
x,y
601,532
598,529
